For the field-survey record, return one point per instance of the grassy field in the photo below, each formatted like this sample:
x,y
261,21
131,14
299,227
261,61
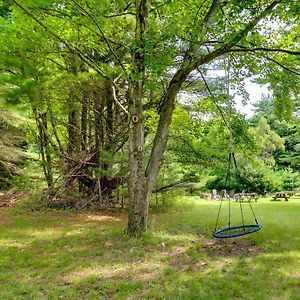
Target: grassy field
x,y
63,255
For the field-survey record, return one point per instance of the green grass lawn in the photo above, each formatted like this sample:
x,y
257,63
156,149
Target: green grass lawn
x,y
63,255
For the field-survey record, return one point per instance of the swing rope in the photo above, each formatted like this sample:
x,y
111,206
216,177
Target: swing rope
x,y
228,176
233,231
238,177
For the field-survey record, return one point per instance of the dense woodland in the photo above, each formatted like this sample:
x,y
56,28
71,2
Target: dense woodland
x,y
115,101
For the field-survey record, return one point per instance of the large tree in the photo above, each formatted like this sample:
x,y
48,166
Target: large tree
x,y
153,48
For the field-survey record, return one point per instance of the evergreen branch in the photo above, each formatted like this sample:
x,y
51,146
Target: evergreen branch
x,y
89,15
9,71
57,63
69,46
55,13
72,49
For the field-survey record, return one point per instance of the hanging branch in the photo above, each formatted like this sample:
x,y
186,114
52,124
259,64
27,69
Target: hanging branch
x,y
281,65
245,49
214,99
118,102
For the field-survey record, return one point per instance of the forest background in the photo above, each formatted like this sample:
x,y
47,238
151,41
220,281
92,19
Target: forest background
x,y
91,93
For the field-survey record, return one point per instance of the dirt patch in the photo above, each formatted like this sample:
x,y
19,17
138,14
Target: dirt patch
x,y
191,259
11,197
3,218
229,248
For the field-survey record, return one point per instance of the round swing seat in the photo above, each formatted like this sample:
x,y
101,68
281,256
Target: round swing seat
x,y
236,231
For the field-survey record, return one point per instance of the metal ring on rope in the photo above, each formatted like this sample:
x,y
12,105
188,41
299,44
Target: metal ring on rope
x,y
135,119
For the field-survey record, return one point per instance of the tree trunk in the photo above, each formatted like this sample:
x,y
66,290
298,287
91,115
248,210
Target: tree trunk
x,y
138,207
162,133
73,132
41,121
84,115
98,115
110,113
47,152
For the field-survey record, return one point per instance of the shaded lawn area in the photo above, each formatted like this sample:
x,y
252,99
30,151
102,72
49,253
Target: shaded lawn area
x,y
63,255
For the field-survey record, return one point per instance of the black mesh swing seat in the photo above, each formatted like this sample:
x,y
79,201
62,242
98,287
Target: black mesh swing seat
x,y
236,231
240,230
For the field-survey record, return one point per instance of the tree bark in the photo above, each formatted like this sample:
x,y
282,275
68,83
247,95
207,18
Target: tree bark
x,y
47,152
98,115
84,116
138,208
41,121
73,132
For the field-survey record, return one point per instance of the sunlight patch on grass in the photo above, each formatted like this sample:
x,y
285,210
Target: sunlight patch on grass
x,y
104,218
287,254
95,271
146,270
45,234
167,236
7,242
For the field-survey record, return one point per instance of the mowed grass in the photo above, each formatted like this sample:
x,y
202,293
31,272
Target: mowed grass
x,y
63,255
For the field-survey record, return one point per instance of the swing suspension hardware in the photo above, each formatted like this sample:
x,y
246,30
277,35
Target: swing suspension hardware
x,y
240,230
243,229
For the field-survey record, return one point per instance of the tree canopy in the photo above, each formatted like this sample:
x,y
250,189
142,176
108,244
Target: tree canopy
x,y
102,79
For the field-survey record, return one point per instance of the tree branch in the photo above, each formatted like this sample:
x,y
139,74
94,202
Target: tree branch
x,y
205,23
69,46
214,100
120,14
210,13
245,49
160,189
89,15
237,36
191,62
282,66
287,51
198,11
